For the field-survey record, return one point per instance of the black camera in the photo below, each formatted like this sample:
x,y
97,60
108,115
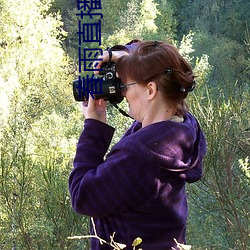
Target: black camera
x,y
105,86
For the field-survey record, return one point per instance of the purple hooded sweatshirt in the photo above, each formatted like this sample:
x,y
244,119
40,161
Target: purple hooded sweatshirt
x,y
138,190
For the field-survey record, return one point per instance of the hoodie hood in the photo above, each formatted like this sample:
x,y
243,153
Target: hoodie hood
x,y
173,146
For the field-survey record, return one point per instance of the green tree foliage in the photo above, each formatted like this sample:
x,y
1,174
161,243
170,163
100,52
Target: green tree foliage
x,y
219,28
218,203
36,146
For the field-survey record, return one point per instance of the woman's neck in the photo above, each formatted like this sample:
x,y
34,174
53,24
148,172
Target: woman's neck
x,y
158,113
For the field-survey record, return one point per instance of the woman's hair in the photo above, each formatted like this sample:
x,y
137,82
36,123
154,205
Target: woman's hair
x,y
162,63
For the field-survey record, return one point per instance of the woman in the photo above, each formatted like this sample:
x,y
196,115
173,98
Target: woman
x,y
138,190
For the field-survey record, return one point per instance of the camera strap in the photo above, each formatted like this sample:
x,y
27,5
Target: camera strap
x,y
110,54
121,111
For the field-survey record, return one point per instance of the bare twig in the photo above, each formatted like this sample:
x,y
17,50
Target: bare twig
x,y
112,243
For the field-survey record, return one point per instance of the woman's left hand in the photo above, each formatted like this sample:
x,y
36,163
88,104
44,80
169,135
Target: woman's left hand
x,y
105,58
94,109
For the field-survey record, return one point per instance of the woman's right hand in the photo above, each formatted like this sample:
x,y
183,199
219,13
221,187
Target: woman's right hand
x,y
105,58
94,109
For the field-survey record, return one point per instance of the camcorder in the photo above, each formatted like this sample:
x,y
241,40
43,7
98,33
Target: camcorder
x,y
105,86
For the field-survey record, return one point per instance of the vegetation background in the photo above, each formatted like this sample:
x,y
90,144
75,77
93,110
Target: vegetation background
x,y
40,122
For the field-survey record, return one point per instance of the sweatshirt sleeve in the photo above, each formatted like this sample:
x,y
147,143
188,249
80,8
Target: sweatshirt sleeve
x,y
99,188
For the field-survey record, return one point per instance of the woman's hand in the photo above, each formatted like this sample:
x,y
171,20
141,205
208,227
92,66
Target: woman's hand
x,y
94,109
105,58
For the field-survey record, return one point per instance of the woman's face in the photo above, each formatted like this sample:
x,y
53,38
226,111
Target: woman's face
x,y
136,97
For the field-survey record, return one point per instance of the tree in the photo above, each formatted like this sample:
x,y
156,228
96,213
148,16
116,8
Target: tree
x,y
40,122
35,206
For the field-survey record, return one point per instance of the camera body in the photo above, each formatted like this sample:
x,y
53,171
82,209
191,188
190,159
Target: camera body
x,y
105,86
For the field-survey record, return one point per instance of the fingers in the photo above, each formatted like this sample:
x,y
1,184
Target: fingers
x,y
95,109
84,106
88,103
91,103
105,58
102,103
84,103
101,59
88,106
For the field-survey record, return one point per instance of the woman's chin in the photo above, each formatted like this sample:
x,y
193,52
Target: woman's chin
x,y
131,114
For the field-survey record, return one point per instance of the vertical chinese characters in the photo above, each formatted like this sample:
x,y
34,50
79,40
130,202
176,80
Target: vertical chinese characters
x,y
89,32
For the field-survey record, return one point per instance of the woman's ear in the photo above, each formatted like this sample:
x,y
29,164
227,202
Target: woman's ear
x,y
152,90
